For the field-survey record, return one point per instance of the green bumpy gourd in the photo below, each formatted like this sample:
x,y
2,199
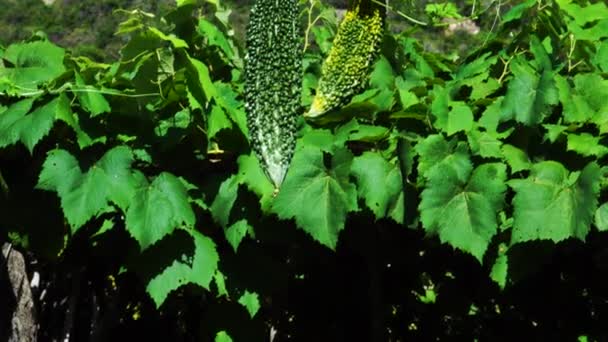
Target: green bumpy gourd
x,y
350,58
273,82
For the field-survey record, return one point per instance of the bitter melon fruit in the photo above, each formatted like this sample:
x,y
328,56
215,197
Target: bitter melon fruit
x,y
348,64
273,82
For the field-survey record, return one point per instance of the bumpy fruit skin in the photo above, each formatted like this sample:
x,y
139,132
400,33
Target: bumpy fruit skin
x,y
273,82
350,58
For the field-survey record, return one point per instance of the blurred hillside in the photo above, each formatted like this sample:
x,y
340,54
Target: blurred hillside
x,y
87,26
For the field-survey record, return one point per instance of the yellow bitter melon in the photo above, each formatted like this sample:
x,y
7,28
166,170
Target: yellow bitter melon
x,y
273,82
347,66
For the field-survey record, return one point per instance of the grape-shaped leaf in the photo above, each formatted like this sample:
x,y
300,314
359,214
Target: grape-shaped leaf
x,y
215,37
530,93
437,155
380,184
90,99
586,145
601,217
157,209
223,202
217,121
318,197
553,204
222,336
460,118
464,214
517,159
86,195
17,125
198,269
251,302
200,86
252,175
500,269
33,63
484,144
236,232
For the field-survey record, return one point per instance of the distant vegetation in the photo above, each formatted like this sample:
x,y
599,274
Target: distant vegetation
x,y
87,27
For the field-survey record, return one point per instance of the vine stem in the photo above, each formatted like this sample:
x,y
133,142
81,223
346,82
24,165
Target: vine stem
x,y
66,89
390,8
311,23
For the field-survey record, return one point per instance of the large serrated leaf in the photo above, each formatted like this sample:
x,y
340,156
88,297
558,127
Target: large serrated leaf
x,y
16,124
197,269
157,209
33,63
317,197
380,184
86,195
464,214
530,94
437,155
553,204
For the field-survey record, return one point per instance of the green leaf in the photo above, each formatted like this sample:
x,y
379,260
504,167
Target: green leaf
x,y
251,302
222,336
482,90
517,159
351,131
324,140
200,85
90,99
252,175
382,75
460,118
220,283
86,195
586,145
553,204
9,134
407,97
171,38
318,197
157,209
499,272
575,107
173,128
601,56
593,89
601,217
60,171
234,108
236,232
518,11
223,202
380,184
440,106
214,37
554,131
33,63
484,144
198,269
492,116
464,214
17,125
217,121
584,15
438,156
529,96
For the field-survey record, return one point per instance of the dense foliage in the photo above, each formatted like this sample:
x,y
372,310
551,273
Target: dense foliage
x,y
459,196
